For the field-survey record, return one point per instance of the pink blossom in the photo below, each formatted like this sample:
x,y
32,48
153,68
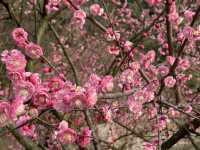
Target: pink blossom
x,y
149,146
135,107
35,79
173,15
53,5
135,66
183,64
130,77
33,50
15,76
55,84
128,45
106,113
147,59
5,117
96,10
19,35
15,61
151,112
28,129
112,35
170,60
169,81
165,46
163,70
65,134
162,122
188,33
17,107
106,83
173,112
90,97
113,50
41,98
64,99
183,78
188,109
23,90
79,18
84,137
189,14
94,81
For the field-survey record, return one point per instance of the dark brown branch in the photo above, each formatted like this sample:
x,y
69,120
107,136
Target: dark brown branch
x,y
181,133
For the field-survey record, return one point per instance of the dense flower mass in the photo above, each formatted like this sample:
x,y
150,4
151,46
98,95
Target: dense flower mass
x,y
100,74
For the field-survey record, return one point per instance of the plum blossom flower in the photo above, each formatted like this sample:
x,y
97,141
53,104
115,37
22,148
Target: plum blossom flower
x,y
113,50
94,81
15,76
173,15
163,70
19,35
151,112
170,60
106,83
150,145
79,17
55,84
134,66
15,61
128,45
53,5
33,50
188,109
84,137
35,78
189,14
169,81
90,97
188,33
5,117
62,100
173,113
135,107
28,129
17,107
183,64
112,35
106,113
162,121
23,90
41,97
183,78
96,10
65,134
148,58
129,77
